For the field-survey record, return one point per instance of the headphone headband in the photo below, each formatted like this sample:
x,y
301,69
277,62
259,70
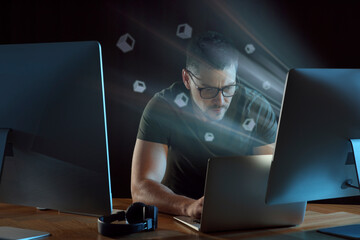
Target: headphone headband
x,y
141,217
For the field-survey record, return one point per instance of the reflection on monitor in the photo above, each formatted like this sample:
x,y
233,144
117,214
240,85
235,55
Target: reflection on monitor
x,y
53,127
318,137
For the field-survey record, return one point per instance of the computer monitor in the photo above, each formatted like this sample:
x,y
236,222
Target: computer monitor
x,y
53,127
314,156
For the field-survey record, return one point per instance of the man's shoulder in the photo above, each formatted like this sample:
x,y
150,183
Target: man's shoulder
x,y
170,100
172,90
254,97
176,95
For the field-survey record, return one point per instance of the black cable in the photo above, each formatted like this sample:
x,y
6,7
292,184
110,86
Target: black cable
x,y
348,183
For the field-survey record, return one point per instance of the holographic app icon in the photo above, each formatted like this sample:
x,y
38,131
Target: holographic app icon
x,y
181,100
209,137
126,43
249,48
139,86
266,85
184,31
249,124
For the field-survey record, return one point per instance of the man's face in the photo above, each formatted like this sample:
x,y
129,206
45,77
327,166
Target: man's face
x,y
214,108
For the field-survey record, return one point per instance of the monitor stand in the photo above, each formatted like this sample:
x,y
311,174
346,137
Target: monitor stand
x,y
11,232
355,144
348,231
3,139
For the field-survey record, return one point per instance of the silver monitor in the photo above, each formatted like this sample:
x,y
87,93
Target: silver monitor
x,y
53,133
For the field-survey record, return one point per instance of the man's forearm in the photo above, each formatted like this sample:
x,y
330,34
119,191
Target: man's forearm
x,y
265,149
153,193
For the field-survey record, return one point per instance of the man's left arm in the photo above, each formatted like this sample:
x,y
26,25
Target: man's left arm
x,y
266,129
265,149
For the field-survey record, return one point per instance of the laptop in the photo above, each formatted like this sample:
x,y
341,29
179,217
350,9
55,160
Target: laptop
x,y
234,199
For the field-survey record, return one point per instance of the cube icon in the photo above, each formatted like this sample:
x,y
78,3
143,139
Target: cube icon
x,y
139,86
181,100
126,43
184,31
266,85
209,137
249,48
249,124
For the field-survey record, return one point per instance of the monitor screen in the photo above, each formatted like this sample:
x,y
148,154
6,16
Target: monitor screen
x,y
52,104
313,156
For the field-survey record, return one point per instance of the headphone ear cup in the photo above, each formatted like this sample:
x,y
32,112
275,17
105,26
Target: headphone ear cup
x,y
136,213
152,212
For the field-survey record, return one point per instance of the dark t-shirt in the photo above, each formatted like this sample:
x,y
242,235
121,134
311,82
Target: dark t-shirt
x,y
169,119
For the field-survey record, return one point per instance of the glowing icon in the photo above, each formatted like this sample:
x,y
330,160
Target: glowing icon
x,y
126,43
209,137
266,85
249,48
181,100
184,31
249,124
139,86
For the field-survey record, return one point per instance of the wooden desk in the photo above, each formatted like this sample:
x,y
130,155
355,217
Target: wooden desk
x,y
71,226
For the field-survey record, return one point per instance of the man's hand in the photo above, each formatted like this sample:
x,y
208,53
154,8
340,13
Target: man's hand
x,y
265,149
194,210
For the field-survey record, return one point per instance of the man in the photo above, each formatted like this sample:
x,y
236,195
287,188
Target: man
x,y
207,115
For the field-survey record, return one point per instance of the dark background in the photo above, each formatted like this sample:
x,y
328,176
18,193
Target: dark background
x,y
286,34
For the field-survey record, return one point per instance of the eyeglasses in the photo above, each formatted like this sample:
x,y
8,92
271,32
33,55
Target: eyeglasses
x,y
211,92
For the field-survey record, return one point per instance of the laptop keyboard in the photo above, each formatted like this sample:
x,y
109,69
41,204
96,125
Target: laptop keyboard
x,y
196,220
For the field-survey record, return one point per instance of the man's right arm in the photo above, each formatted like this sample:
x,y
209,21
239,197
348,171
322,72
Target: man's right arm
x,y
147,172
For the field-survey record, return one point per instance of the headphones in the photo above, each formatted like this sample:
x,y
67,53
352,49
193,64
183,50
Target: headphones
x,y
140,217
